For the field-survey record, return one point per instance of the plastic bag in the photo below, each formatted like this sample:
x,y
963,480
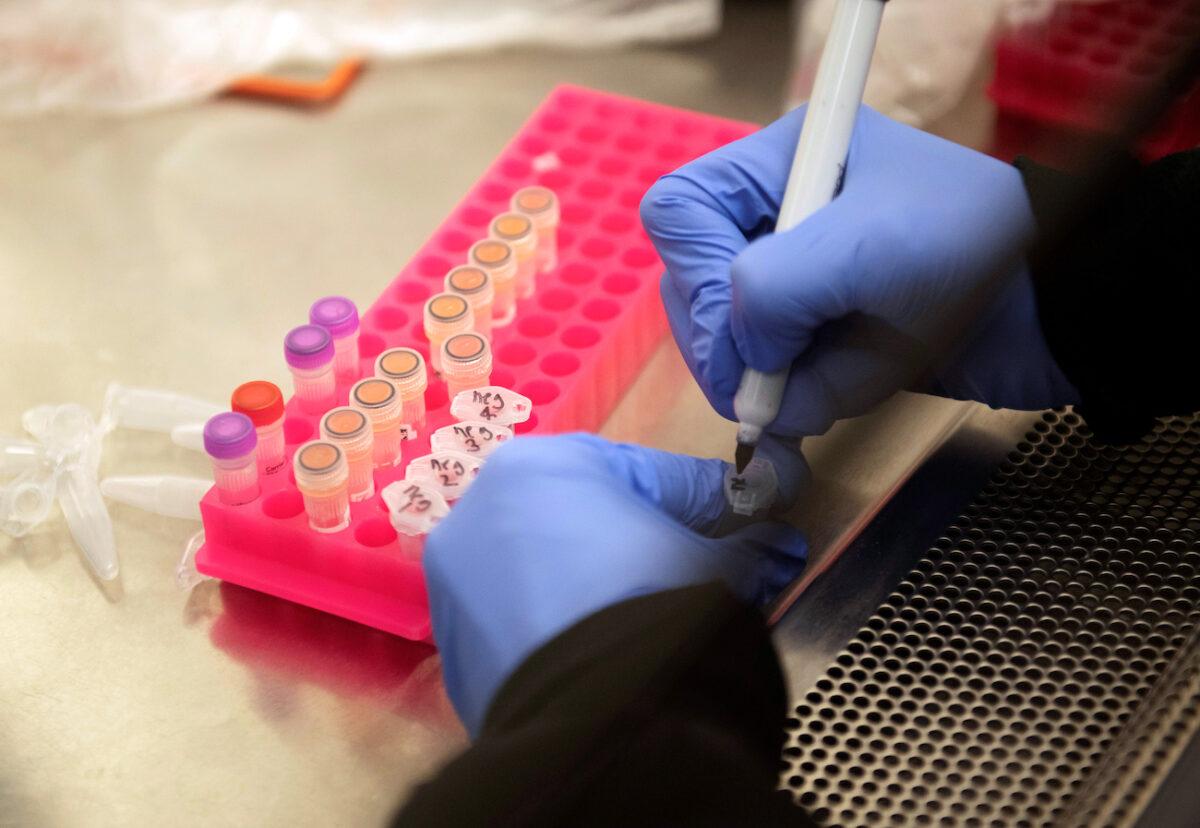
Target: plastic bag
x,y
126,55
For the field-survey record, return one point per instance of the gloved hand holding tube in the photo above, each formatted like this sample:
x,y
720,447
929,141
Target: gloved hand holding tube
x,y
557,528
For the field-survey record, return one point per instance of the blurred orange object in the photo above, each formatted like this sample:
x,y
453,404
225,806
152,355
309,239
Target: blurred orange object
x,y
291,90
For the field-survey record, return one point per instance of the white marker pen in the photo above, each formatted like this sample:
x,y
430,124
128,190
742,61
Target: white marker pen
x,y
816,175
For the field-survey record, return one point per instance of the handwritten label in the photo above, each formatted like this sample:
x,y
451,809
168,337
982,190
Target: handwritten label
x,y
491,404
413,507
449,473
473,437
408,431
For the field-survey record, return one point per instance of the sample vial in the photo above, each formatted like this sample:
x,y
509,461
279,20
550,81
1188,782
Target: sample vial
x,y
473,284
380,402
229,439
446,314
322,477
262,402
491,404
497,259
339,316
517,230
350,430
405,368
466,362
541,205
309,352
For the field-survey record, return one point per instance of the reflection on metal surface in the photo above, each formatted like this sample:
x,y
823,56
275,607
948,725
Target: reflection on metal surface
x,y
988,685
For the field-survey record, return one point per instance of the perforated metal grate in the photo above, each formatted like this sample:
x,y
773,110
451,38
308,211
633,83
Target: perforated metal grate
x,y
989,687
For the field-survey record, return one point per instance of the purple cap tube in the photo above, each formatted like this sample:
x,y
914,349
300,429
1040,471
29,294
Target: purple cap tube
x,y
308,346
336,313
228,435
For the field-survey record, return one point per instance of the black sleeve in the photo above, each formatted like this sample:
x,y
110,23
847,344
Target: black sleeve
x,y
665,709
1119,294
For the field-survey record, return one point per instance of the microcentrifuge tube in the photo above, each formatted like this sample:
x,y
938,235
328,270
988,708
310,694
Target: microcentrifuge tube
x,y
339,316
446,314
161,494
413,508
753,491
378,399
491,404
473,284
450,473
350,430
17,456
189,436
230,440
518,231
473,437
499,261
405,369
466,362
541,205
26,500
309,352
87,518
262,402
150,409
323,480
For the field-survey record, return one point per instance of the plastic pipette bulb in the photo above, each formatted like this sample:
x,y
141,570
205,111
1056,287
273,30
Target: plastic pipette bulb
x,y
817,169
161,494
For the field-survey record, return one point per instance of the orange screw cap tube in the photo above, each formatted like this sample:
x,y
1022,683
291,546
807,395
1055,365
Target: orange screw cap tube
x,y
473,284
350,430
322,477
541,205
466,362
517,230
446,314
380,402
405,369
499,261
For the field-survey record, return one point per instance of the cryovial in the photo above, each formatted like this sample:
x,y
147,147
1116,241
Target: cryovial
x,y
262,402
230,440
446,314
518,231
473,284
350,430
405,369
380,402
541,205
309,352
755,490
322,477
473,437
339,316
466,362
498,260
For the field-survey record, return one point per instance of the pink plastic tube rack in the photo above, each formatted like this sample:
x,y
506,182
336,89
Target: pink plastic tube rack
x,y
574,349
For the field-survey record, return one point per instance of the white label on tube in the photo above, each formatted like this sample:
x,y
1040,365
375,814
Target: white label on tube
x,y
491,404
449,473
414,508
473,437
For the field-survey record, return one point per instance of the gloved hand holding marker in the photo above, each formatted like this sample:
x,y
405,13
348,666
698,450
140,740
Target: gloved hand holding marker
x,y
867,295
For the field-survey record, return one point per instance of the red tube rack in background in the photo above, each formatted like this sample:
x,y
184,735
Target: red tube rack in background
x,y
575,347
1080,68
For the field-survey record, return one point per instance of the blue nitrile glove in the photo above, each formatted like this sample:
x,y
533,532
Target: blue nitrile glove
x,y
862,298
557,528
